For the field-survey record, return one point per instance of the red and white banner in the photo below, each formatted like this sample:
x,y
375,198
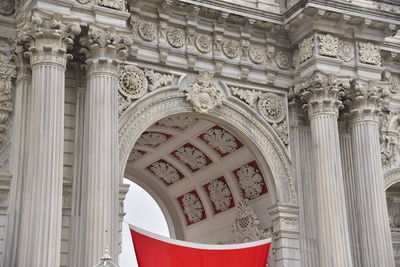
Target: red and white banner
x,y
158,251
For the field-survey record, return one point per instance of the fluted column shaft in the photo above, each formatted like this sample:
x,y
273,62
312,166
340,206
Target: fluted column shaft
x,y
41,207
321,95
101,159
373,220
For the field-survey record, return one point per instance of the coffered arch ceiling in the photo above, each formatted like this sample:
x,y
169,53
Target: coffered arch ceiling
x,y
198,171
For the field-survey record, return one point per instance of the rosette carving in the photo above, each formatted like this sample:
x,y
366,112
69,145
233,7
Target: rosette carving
x,y
257,54
203,43
202,94
283,60
133,82
231,48
176,37
272,107
147,30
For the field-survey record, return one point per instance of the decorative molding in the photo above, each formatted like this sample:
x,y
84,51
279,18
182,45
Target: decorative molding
x,y
202,94
247,95
115,4
246,226
369,53
328,45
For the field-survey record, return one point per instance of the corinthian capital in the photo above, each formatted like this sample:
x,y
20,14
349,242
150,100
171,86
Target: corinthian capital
x,y
47,39
365,98
104,47
321,93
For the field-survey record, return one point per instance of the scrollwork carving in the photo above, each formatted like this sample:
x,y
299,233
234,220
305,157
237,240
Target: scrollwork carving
x,y
247,95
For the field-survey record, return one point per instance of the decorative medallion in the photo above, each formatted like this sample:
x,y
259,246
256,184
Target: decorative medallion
x,y
250,180
283,60
133,82
7,7
272,107
328,45
221,141
369,53
192,207
147,30
135,155
178,122
202,94
220,195
231,48
165,171
203,43
192,157
346,51
152,139
304,52
176,37
257,54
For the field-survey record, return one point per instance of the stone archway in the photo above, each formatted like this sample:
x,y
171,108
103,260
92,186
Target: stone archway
x,y
391,177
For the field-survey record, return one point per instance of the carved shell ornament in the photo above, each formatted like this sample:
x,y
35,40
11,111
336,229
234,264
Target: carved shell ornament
x,y
272,107
283,60
147,30
202,94
176,37
133,82
203,43
231,48
257,54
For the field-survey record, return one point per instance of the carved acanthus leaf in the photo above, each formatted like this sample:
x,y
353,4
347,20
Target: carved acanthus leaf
x,y
158,80
304,52
328,45
249,96
370,53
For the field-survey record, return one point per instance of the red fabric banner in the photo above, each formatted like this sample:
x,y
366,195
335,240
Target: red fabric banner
x,y
158,251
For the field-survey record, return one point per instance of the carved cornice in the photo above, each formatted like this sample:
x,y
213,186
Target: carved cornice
x,y
364,99
47,39
321,93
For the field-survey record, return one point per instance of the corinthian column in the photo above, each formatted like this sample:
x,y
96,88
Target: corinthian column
x,y
40,238
373,221
101,143
321,95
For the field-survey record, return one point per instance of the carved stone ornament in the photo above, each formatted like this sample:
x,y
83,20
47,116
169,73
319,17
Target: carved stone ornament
x,y
7,7
247,95
165,171
147,30
133,82
328,45
152,139
158,80
250,181
346,51
272,107
179,122
116,4
246,227
283,60
390,140
192,157
257,54
394,84
221,140
203,43
192,207
231,48
369,53
176,37
202,94
304,52
220,195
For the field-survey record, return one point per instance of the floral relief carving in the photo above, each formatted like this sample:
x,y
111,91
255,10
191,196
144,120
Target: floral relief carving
x,y
192,207
133,82
246,227
221,141
304,52
192,157
394,84
231,48
272,107
283,60
147,30
203,43
250,180
369,53
135,155
202,94
282,130
165,171
328,45
249,96
257,54
220,195
152,139
179,122
158,80
346,51
176,37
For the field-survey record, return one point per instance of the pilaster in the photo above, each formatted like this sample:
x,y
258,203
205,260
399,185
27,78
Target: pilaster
x,y
321,95
100,158
48,39
364,99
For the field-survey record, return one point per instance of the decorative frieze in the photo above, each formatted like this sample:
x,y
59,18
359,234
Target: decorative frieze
x,y
328,45
132,81
369,53
176,37
202,94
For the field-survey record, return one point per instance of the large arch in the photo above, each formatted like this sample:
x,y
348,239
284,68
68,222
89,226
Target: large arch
x,y
171,101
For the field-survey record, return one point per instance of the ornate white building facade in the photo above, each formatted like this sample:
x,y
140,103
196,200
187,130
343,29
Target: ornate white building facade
x,y
293,106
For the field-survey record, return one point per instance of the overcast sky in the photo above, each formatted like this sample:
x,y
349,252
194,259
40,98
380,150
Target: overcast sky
x,y
142,211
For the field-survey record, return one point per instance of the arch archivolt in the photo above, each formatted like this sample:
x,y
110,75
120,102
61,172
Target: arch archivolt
x,y
171,101
391,177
